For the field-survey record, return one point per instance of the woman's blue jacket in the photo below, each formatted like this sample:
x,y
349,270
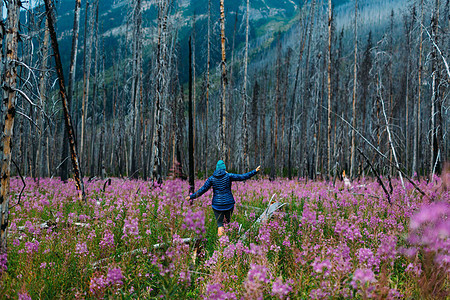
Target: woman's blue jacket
x,y
221,181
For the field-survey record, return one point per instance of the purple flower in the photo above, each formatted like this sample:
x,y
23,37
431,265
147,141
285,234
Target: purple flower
x,y
363,276
3,262
97,283
131,228
367,259
387,247
81,249
214,292
107,239
115,276
24,296
32,247
318,267
258,273
195,221
280,289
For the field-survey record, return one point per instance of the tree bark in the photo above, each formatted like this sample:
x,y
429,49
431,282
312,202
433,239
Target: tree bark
x,y
72,71
222,103
417,109
86,74
294,97
434,93
135,86
244,93
42,96
352,153
191,126
330,19
62,91
208,63
9,108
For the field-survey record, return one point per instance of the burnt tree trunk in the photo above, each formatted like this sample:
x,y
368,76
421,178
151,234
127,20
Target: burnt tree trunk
x,y
191,127
9,108
73,65
62,91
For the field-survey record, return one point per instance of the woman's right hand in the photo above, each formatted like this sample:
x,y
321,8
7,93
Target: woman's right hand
x,y
258,168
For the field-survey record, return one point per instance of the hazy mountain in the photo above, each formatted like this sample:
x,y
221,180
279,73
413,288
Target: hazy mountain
x,y
266,18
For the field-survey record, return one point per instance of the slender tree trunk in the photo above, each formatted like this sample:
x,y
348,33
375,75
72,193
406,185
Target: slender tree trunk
x,y
102,147
294,97
9,108
434,92
62,91
208,63
391,144
135,86
191,126
86,76
244,93
161,65
419,91
330,19
91,160
222,103
42,89
273,169
73,65
194,94
352,153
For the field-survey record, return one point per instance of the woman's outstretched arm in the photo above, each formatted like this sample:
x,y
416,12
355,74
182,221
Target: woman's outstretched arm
x,y
201,190
241,177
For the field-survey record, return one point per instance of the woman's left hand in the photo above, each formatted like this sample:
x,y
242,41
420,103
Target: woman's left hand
x,y
187,198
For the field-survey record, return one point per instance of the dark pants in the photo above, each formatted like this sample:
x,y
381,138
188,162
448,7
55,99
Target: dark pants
x,y
223,216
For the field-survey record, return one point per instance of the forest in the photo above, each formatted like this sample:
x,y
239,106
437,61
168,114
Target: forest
x,y
115,109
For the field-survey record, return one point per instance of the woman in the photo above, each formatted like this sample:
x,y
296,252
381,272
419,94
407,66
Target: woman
x,y
223,201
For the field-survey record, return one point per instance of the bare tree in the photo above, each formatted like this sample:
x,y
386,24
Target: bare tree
x,y
330,19
87,70
223,106
42,92
136,84
9,109
434,142
352,154
191,127
62,91
72,71
417,115
208,63
244,92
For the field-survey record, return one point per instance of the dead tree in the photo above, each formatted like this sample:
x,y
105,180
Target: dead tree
x,y
87,71
208,63
292,113
72,71
352,153
42,92
330,19
9,79
244,93
161,84
222,102
191,127
417,115
434,142
62,91
136,84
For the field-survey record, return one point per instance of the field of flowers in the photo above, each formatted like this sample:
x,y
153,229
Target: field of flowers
x,y
130,241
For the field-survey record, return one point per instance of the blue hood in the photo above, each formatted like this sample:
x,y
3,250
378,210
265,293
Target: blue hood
x,y
219,173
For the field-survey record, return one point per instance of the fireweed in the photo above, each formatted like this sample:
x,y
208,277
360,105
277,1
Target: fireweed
x,y
328,242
